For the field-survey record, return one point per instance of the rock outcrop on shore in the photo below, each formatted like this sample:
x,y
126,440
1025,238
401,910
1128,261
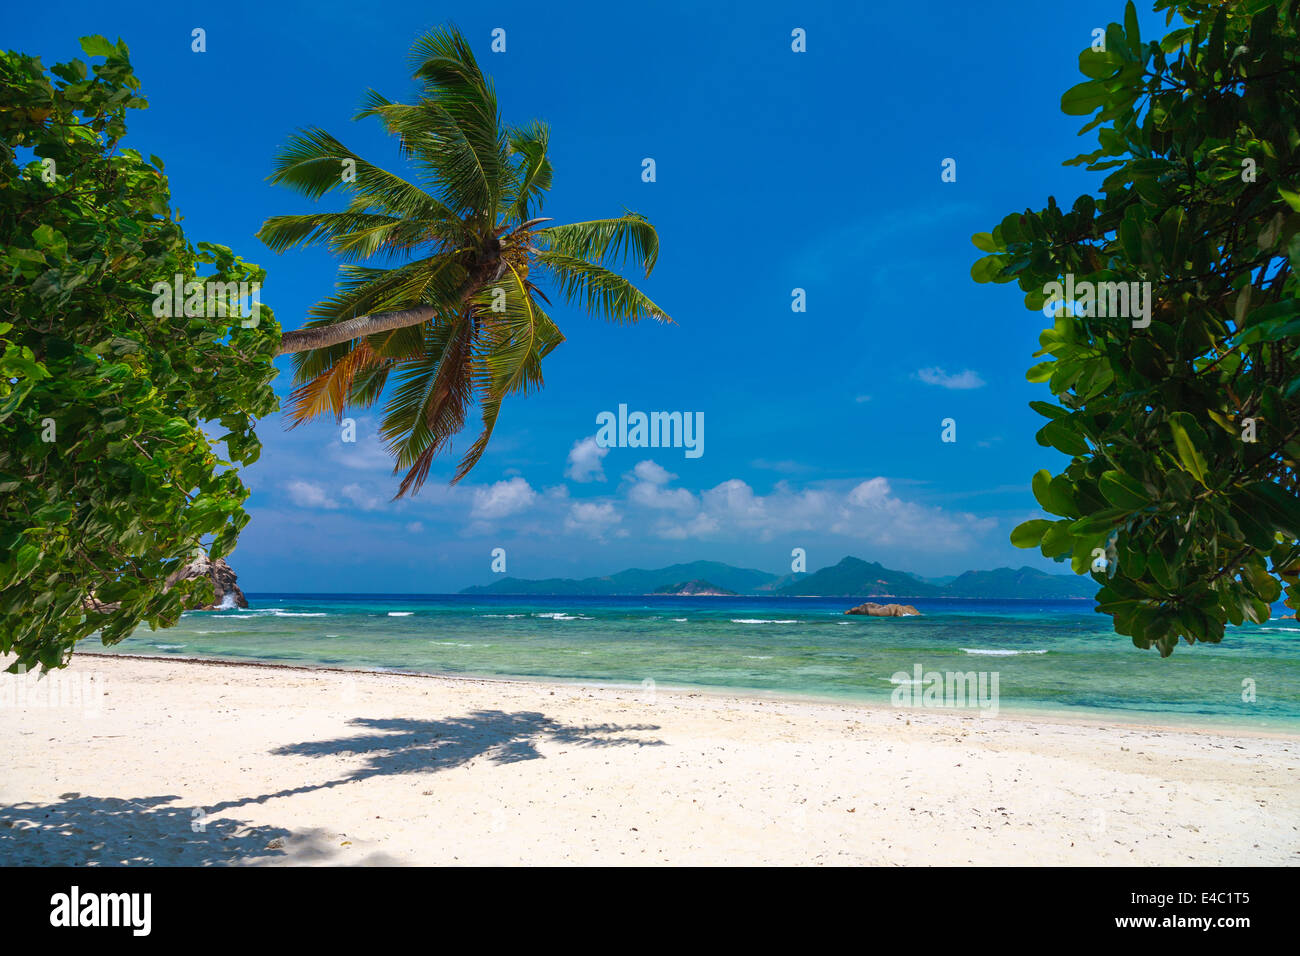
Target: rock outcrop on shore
x,y
223,586
884,610
223,583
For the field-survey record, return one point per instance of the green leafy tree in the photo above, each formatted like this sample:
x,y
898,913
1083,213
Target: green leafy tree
x,y
438,298
108,480
1181,496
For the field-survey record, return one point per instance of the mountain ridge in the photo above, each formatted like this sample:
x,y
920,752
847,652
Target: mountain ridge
x,y
850,577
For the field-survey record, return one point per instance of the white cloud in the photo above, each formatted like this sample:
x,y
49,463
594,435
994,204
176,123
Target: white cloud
x,y
653,496
875,514
585,459
869,492
701,526
306,494
961,380
503,499
362,498
648,489
652,472
868,511
591,518
862,398
415,527
366,452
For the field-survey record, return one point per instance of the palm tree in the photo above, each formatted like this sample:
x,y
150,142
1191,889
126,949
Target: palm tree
x,y
438,290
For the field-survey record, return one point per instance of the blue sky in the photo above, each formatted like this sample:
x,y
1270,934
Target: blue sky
x,y
775,170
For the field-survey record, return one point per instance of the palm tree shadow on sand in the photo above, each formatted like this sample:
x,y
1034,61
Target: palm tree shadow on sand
x,y
146,831
404,745
151,831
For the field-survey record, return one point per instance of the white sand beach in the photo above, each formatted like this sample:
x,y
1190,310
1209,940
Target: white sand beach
x,y
200,763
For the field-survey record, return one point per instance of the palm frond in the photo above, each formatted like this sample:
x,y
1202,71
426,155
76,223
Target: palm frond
x,y
458,122
606,241
532,173
600,291
430,400
511,347
359,235
330,390
314,163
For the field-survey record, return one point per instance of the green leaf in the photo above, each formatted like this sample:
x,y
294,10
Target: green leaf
x,y
1041,372
986,269
1098,523
97,46
1061,435
1122,491
1292,198
1084,98
1131,35
1189,439
1049,411
1159,568
1030,533
1053,494
1099,64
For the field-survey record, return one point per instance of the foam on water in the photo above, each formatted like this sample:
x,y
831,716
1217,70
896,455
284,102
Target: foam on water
x,y
997,653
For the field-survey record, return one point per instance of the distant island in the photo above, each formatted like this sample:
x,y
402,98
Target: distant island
x,y
694,589
851,577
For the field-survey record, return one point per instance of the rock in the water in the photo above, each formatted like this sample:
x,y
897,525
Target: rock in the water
x,y
225,592
884,610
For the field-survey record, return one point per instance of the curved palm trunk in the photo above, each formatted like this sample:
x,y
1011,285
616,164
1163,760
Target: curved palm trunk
x,y
302,340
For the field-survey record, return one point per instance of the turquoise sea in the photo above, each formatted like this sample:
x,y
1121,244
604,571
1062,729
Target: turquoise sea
x,y
1056,656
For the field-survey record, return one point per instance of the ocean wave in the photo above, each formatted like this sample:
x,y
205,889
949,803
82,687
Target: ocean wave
x,y
452,644
761,620
400,613
169,647
996,653
277,612
681,620
503,615
758,657
562,616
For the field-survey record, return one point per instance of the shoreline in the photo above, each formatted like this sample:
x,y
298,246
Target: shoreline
x,y
162,761
1212,724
